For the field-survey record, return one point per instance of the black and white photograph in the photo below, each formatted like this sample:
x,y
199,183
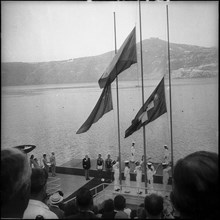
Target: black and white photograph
x,y
109,109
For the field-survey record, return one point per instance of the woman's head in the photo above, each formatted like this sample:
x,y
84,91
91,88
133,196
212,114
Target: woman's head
x,y
195,186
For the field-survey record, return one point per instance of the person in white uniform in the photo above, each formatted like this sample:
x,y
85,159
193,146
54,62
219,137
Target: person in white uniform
x,y
166,157
138,171
127,177
116,175
150,175
133,152
166,176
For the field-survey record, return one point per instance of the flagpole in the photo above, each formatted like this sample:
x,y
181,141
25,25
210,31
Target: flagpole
x,y
119,146
171,127
142,82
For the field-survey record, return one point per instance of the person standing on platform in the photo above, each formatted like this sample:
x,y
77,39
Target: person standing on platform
x,y
166,169
108,167
32,161
36,164
86,166
150,175
127,177
133,152
116,175
53,164
100,165
138,172
166,157
45,163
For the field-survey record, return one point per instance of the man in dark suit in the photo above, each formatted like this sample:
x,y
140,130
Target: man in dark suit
x,y
86,166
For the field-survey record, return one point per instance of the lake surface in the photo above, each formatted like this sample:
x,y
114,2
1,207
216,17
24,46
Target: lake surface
x,y
48,116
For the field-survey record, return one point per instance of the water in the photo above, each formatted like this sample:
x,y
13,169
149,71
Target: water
x,y
48,116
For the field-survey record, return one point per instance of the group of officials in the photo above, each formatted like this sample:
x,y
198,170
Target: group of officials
x,y
112,165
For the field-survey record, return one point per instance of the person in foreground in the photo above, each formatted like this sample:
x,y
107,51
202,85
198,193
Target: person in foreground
x,y
37,207
195,192
154,206
120,204
15,183
84,202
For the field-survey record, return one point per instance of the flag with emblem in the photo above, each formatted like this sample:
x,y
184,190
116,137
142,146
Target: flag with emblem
x,y
103,106
153,108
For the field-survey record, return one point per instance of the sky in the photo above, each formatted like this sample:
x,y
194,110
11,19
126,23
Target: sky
x,y
33,31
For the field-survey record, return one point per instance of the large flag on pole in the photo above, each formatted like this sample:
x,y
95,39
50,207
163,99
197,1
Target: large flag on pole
x,y
103,106
153,108
124,58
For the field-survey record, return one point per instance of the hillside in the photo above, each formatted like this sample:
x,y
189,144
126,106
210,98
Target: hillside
x,y
187,61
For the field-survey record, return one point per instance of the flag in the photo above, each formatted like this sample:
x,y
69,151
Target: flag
x,y
125,57
153,108
103,106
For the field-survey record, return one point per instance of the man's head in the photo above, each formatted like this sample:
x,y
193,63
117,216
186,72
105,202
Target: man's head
x,y
15,183
38,183
44,155
153,205
119,202
53,153
100,155
196,186
133,143
84,199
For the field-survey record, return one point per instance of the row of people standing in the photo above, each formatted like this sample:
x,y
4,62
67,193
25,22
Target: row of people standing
x,y
45,163
113,167
100,165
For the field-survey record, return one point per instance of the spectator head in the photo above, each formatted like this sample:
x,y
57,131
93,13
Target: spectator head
x,y
108,205
53,153
84,199
133,213
55,199
38,183
15,183
44,155
153,205
32,156
141,213
95,209
119,202
142,205
196,186
70,208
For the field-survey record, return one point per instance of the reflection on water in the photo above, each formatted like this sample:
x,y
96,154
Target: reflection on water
x,y
48,116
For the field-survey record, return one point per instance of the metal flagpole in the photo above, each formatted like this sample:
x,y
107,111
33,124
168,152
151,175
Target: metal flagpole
x,y
142,81
171,127
119,146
